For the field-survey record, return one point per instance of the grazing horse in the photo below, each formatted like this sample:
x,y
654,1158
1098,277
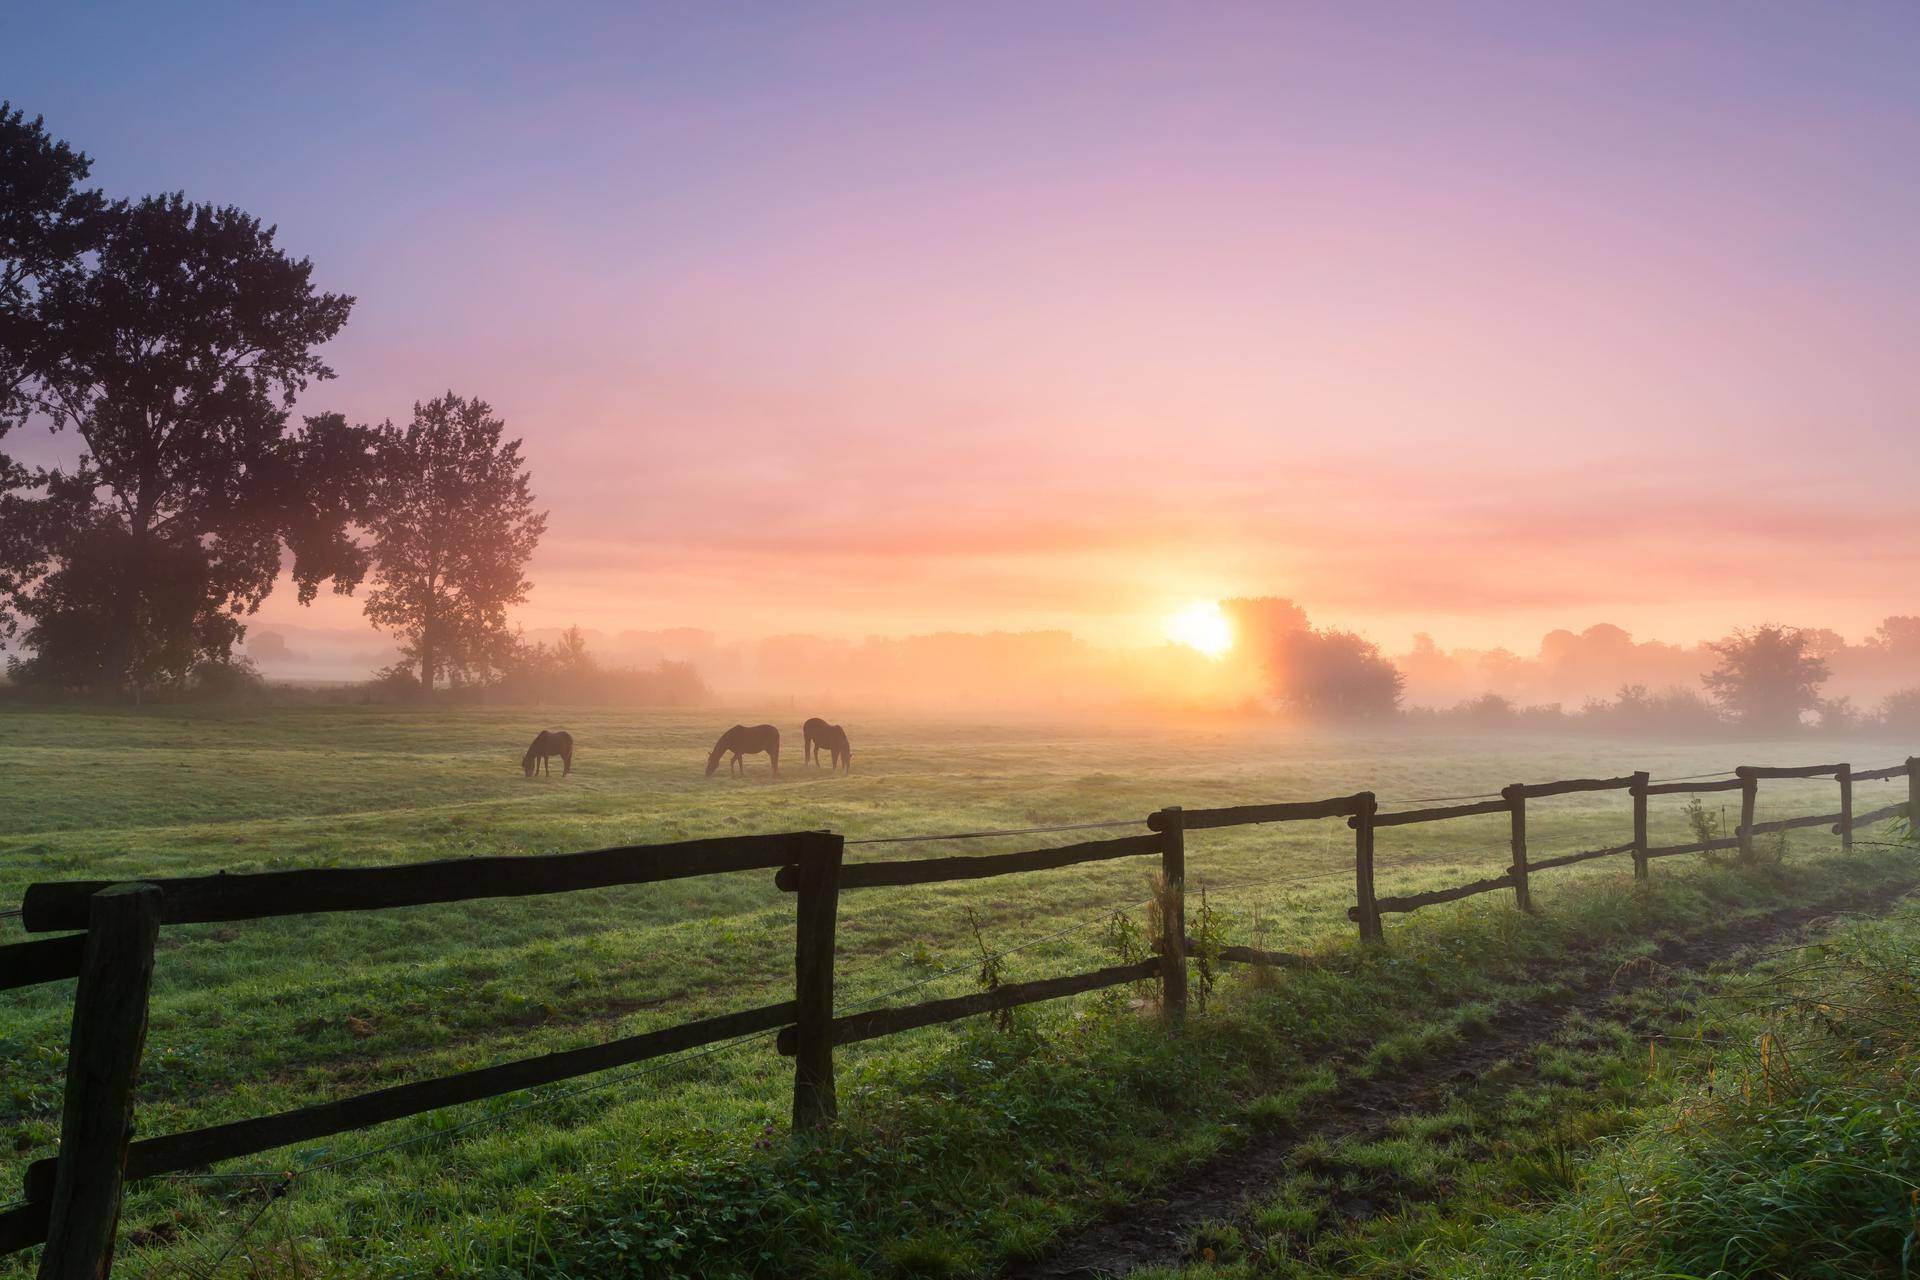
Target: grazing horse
x,y
810,732
744,741
830,738
547,744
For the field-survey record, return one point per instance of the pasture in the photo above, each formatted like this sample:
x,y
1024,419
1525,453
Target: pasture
x,y
274,1014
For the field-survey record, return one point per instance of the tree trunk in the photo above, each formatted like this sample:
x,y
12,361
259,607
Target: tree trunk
x,y
427,672
125,621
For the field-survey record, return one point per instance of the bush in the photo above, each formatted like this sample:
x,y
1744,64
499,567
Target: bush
x,y
1900,712
230,680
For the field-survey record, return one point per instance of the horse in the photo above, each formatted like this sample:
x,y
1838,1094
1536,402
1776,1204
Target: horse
x,y
810,732
830,737
744,741
547,744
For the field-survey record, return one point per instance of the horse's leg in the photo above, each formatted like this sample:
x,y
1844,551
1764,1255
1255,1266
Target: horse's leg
x,y
566,763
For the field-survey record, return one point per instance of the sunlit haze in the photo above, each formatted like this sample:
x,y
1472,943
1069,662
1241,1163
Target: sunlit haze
x,y
846,321
1202,627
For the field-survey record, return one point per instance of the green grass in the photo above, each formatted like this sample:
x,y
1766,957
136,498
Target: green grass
x,y
1758,1121
960,1145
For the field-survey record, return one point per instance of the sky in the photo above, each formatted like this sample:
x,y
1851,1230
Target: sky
x,y
1472,319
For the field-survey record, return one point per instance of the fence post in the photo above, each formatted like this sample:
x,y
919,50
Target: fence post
x,y
1641,780
1749,806
96,1115
1173,915
816,911
1363,868
1913,792
1845,778
1516,798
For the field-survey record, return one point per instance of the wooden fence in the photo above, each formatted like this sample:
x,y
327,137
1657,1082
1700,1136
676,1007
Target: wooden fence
x,y
72,1200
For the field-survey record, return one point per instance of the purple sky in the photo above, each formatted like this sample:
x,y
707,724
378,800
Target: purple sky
x,y
1476,319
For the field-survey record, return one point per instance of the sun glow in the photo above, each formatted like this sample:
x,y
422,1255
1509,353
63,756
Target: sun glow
x,y
1202,626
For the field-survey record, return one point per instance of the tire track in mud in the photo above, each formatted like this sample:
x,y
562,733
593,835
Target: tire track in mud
x,y
1225,1185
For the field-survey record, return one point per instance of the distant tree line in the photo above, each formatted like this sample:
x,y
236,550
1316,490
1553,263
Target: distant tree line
x,y
1767,679
566,672
169,341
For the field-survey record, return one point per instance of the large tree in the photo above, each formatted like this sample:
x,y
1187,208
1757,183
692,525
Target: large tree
x,y
48,222
175,355
1767,676
1319,673
453,526
195,587
1329,674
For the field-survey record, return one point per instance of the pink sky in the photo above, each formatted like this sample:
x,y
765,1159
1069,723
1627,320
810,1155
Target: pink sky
x,y
1478,320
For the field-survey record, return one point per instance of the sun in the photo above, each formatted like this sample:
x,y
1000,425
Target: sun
x,y
1202,626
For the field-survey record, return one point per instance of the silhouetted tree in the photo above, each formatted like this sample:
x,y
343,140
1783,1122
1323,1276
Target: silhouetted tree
x,y
1334,675
1767,676
453,525
1897,635
1839,716
47,224
1260,622
175,354
1900,711
570,652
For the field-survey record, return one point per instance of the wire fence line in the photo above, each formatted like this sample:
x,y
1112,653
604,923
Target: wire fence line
x,y
1008,831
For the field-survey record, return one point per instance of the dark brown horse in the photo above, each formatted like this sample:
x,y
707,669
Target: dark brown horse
x,y
810,735
828,737
547,744
742,740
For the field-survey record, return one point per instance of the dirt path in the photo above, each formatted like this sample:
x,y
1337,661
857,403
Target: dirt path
x,y
1157,1231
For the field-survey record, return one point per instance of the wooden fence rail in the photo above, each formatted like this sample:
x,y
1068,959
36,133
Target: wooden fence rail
x,y
73,1199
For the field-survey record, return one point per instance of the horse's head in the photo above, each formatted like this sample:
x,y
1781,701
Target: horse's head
x,y
713,761
526,763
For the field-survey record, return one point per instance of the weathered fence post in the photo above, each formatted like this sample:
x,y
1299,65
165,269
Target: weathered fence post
x,y
96,1116
1369,912
1641,780
1749,806
1845,777
1516,798
1173,915
816,911
1913,791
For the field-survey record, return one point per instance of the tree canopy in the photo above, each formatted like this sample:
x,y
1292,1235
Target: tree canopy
x,y
175,354
47,222
453,527
1319,673
1767,676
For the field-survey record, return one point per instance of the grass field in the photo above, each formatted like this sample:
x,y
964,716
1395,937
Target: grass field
x,y
258,1017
